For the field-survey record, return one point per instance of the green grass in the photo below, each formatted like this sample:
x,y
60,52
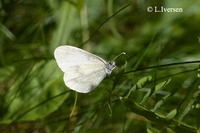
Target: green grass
x,y
156,89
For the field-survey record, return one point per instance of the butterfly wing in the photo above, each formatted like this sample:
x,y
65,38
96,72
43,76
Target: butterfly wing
x,y
67,56
84,78
83,70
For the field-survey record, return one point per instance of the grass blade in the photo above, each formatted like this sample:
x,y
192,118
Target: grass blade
x,y
187,103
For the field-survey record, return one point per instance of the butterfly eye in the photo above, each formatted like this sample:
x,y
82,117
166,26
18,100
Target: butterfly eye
x,y
112,63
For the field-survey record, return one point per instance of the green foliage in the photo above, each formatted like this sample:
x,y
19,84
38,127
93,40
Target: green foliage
x,y
157,118
29,94
119,76
188,101
140,84
156,89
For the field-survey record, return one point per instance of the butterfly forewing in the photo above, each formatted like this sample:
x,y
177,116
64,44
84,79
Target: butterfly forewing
x,y
67,56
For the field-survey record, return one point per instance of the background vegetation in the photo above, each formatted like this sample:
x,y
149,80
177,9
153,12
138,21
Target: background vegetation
x,y
158,92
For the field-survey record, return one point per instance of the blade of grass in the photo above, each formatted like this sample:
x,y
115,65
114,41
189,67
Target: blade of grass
x,y
75,101
197,109
65,20
189,99
112,24
145,52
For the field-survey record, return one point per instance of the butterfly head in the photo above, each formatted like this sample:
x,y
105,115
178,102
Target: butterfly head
x,y
111,64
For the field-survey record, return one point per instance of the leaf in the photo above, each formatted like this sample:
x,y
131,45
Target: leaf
x,y
172,114
139,109
140,84
157,117
157,88
153,130
34,95
165,98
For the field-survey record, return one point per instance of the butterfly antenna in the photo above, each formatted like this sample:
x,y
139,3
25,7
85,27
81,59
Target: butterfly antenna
x,y
120,54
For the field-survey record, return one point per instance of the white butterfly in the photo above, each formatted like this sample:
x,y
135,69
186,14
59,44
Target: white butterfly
x,y
83,71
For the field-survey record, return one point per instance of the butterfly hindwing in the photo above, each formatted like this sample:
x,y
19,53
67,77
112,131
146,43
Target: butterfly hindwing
x,y
82,79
